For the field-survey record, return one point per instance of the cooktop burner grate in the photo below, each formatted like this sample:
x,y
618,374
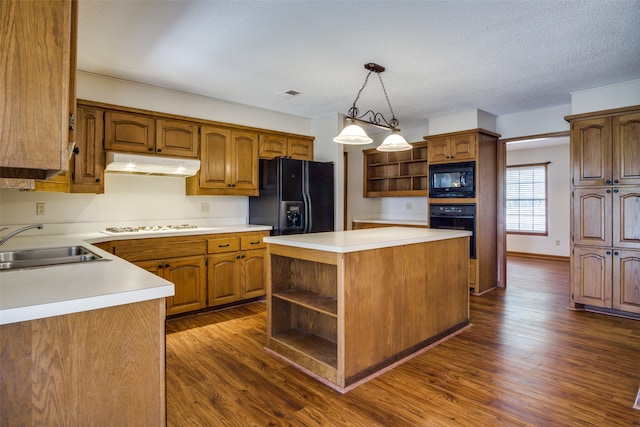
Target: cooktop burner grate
x,y
150,228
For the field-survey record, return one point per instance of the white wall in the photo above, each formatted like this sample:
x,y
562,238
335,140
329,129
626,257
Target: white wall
x,y
558,202
534,122
619,95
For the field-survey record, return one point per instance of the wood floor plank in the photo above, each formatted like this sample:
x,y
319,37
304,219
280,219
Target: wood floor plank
x,y
526,361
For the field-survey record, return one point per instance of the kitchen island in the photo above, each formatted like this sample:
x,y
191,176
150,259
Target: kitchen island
x,y
345,306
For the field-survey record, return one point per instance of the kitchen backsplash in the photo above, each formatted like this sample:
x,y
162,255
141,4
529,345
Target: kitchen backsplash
x,y
127,198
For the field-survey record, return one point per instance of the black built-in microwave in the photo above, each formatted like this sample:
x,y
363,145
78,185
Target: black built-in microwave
x,y
452,180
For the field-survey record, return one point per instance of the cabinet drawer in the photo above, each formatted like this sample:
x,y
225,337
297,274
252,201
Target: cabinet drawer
x,y
227,244
252,242
141,251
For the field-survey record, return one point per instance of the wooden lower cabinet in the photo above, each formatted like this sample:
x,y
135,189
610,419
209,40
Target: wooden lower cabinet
x,y
236,275
207,270
189,277
606,278
97,367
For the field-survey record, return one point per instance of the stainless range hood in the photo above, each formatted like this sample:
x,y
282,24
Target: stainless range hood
x,y
150,165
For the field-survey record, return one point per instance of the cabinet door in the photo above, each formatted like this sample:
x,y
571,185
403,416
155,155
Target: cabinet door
x,y
155,266
592,216
253,273
87,166
438,150
272,146
175,138
463,147
189,278
626,280
244,164
38,51
129,132
591,152
215,155
224,281
300,149
591,276
626,217
626,149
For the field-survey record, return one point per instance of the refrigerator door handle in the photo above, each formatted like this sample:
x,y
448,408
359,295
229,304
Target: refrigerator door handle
x,y
307,213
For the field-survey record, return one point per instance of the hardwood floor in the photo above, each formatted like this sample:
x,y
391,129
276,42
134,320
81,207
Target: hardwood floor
x,y
527,361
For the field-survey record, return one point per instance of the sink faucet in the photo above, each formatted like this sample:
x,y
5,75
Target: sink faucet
x,y
18,231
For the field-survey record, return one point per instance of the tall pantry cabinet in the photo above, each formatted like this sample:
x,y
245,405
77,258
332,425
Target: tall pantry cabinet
x,y
605,210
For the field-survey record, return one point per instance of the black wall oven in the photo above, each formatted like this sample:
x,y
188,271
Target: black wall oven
x,y
457,217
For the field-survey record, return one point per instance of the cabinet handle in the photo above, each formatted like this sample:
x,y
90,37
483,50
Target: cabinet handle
x,y
167,266
223,246
615,190
159,150
150,149
238,256
608,191
243,256
98,180
608,252
615,181
608,181
160,266
616,253
254,243
76,150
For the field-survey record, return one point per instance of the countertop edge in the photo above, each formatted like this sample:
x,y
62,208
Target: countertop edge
x,y
362,240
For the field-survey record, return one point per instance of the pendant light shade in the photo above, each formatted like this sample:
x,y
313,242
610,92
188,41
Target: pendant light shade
x,y
353,135
394,142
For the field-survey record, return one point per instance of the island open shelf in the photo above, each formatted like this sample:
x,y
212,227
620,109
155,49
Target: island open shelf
x,y
342,306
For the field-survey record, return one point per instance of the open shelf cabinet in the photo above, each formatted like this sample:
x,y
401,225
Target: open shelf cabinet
x,y
303,300
396,174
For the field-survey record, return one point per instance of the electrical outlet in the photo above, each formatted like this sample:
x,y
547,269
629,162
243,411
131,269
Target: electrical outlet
x,y
204,207
40,208
557,242
409,206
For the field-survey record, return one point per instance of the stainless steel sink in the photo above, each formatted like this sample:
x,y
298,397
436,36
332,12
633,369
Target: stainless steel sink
x,y
32,258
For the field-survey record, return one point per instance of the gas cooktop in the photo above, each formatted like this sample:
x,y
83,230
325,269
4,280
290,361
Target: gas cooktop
x,y
149,228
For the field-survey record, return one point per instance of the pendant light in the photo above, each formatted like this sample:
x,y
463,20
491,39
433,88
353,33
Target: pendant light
x,y
355,135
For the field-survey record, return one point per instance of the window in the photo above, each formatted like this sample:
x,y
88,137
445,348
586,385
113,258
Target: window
x,y
527,199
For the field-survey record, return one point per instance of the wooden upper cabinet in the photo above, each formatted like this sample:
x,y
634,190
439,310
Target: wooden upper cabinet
x,y
606,150
592,216
626,148
87,165
272,146
244,168
129,132
229,163
38,40
175,138
591,151
300,148
215,146
452,148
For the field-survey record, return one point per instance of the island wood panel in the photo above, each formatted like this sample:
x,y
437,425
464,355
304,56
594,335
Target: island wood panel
x,y
390,303
398,298
100,366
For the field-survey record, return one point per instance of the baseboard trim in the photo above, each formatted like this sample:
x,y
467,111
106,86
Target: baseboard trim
x,y
538,256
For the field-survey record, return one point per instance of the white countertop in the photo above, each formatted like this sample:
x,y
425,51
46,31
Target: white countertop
x,y
362,240
401,222
63,289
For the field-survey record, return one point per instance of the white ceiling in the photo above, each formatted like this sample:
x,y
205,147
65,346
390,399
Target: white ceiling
x,y
441,56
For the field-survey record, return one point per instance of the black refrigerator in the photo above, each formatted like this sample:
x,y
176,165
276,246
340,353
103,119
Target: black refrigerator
x,y
296,196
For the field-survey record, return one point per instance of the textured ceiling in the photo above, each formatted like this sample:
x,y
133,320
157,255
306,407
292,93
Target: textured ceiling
x,y
441,56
